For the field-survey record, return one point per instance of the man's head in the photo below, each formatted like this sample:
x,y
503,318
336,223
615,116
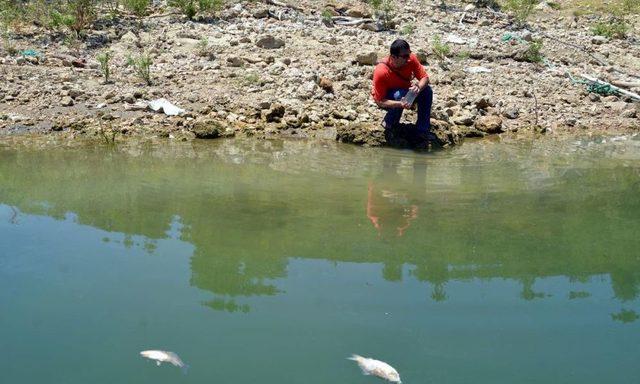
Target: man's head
x,y
400,52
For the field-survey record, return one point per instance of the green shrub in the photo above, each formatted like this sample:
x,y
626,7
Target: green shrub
x,y
137,7
142,67
191,7
630,6
532,54
521,9
203,48
440,49
8,45
326,15
82,13
615,29
408,29
10,13
104,59
462,55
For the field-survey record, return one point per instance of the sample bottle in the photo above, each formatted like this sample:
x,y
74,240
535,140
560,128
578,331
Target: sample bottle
x,y
410,97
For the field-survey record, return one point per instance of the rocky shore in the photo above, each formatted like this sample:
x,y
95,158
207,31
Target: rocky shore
x,y
270,69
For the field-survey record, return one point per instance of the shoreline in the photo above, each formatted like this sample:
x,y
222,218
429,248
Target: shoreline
x,y
249,73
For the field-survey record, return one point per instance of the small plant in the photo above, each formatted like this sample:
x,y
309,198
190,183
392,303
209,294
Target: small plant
x,y
82,13
408,29
72,41
383,9
615,29
386,14
57,20
107,133
137,7
630,7
532,54
191,7
104,59
440,49
521,9
8,44
252,79
10,13
327,16
202,47
375,4
142,67
462,55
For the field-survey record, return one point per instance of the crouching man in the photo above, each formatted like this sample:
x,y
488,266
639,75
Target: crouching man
x,y
394,77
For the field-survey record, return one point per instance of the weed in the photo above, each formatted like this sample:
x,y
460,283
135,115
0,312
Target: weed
x,y
521,9
137,7
191,7
408,29
141,66
615,29
532,54
104,59
440,49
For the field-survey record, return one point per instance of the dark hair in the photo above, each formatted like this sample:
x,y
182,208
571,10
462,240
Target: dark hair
x,y
399,46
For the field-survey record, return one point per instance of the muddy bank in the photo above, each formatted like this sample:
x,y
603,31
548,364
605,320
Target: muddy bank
x,y
267,70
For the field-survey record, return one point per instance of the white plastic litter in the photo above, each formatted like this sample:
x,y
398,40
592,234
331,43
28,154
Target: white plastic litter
x,y
165,106
454,39
477,70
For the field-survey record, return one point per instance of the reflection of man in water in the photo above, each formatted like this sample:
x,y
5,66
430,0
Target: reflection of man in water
x,y
389,206
389,210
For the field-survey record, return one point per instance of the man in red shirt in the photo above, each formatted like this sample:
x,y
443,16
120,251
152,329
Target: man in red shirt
x,y
393,79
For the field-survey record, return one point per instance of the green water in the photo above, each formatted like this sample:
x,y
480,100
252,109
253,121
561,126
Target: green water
x,y
272,261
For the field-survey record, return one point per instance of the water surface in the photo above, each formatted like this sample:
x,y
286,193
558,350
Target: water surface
x,y
272,261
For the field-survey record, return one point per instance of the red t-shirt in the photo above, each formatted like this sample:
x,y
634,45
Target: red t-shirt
x,y
384,78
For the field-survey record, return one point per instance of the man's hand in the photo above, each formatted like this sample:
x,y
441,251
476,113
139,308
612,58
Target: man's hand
x,y
404,104
415,88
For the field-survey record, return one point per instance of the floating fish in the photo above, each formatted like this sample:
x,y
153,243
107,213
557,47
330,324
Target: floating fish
x,y
376,368
165,357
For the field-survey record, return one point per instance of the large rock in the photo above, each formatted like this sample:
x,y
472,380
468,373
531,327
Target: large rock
x,y
370,135
489,124
207,129
270,42
275,114
367,58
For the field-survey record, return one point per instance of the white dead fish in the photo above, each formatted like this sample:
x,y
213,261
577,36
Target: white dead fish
x,y
165,357
376,368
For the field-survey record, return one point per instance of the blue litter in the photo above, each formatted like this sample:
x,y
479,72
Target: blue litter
x,y
30,52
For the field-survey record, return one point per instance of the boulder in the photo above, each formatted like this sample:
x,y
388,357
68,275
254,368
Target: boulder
x,y
489,124
366,58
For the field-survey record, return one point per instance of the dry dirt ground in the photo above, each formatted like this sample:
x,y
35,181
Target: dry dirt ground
x,y
270,70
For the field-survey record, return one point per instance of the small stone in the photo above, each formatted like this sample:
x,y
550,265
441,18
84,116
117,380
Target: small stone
x,y
511,113
235,61
483,103
598,40
261,13
326,84
66,101
463,119
270,42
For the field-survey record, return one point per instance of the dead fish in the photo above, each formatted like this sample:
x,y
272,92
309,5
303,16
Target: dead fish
x,y
376,368
165,357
